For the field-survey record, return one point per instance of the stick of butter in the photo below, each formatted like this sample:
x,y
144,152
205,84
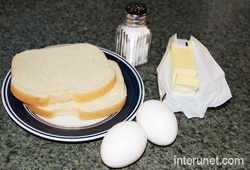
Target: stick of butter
x,y
185,85
184,70
182,61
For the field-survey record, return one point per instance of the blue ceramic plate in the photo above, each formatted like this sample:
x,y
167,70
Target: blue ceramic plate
x,y
35,125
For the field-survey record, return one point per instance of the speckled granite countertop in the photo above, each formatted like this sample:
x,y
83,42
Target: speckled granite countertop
x,y
222,26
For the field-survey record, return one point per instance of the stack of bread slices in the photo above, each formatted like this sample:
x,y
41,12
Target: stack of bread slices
x,y
75,80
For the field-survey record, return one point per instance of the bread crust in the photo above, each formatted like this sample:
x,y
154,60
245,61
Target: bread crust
x,y
40,112
77,97
102,112
26,98
81,114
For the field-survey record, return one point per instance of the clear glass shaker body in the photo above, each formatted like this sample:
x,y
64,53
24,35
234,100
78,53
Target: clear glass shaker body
x,y
133,37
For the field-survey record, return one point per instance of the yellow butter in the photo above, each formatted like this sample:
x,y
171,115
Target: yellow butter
x,y
185,85
182,61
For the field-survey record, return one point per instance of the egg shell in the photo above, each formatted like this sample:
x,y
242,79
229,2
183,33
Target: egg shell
x,y
123,144
159,122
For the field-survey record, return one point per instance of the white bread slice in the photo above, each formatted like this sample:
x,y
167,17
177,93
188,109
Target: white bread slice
x,y
103,106
78,72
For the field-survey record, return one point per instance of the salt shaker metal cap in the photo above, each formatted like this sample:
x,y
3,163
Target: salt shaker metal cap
x,y
136,13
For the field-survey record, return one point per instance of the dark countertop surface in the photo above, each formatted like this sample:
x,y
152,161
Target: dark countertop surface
x,y
221,25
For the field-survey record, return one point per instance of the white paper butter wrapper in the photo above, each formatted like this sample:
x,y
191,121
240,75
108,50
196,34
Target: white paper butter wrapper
x,y
213,90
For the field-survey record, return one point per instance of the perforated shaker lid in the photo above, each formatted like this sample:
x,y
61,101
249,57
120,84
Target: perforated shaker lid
x,y
136,12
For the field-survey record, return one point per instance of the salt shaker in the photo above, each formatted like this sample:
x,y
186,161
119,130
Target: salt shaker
x,y
133,37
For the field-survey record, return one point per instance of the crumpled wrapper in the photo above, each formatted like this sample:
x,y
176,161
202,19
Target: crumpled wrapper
x,y
213,90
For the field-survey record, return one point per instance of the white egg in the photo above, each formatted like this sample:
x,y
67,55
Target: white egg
x,y
159,122
123,144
